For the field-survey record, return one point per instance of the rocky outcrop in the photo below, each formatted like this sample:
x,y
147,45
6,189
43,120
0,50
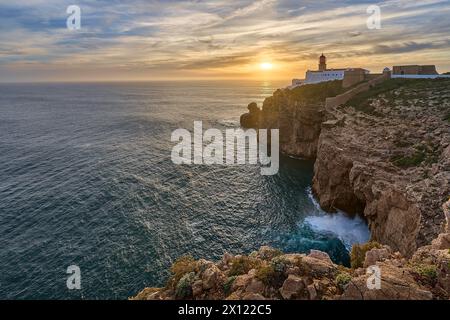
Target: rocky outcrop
x,y
270,274
298,114
390,163
384,154
251,118
381,149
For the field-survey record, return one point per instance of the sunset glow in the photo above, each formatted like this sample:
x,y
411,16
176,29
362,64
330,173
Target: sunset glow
x,y
166,40
265,66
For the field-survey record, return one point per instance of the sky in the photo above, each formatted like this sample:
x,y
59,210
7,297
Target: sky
x,y
217,39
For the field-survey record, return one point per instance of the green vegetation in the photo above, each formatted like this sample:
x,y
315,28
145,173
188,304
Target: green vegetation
x,y
342,279
447,117
181,267
228,284
422,154
404,161
358,253
362,101
274,273
427,273
184,286
242,265
315,93
267,274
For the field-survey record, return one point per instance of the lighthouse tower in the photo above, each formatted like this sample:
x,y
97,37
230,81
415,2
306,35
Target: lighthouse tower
x,y
322,63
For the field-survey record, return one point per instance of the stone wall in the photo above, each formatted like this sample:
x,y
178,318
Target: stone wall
x,y
334,102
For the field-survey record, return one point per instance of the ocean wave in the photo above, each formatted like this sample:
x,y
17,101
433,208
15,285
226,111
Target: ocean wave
x,y
231,123
350,230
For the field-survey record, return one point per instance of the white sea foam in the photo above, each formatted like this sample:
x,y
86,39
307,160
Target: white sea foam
x,y
232,123
350,230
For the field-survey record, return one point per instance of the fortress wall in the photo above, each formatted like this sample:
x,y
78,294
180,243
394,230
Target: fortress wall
x,y
346,96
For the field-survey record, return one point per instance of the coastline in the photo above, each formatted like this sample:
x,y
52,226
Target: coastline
x,y
409,224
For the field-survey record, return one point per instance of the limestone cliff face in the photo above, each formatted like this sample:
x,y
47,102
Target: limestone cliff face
x,y
384,154
299,123
390,162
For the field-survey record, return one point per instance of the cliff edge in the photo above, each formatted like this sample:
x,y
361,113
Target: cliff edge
x,y
381,149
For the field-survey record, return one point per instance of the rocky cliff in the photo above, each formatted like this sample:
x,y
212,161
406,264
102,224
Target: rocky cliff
x,y
381,150
270,274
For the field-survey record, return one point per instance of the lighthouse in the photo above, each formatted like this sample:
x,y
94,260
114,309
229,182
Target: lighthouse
x,y
322,63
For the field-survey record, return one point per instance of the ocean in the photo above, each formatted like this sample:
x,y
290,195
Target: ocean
x,y
86,179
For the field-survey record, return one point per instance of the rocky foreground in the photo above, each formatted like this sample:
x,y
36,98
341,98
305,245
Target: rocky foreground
x,y
270,274
383,153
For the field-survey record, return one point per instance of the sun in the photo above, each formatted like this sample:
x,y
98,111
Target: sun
x,y
266,66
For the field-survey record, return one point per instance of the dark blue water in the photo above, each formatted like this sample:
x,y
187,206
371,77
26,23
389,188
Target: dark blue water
x,y
86,179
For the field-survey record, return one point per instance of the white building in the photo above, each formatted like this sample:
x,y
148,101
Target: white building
x,y
323,74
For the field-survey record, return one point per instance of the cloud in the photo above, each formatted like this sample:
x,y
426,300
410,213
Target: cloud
x,y
216,35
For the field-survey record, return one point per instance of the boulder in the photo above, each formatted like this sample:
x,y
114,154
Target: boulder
x,y
212,277
396,284
375,255
241,282
255,286
320,255
292,288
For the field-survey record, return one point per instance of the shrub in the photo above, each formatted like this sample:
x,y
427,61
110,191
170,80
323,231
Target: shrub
x,y
242,265
405,161
180,267
427,273
266,274
268,253
270,276
423,153
280,264
304,268
362,101
342,279
184,286
358,254
228,284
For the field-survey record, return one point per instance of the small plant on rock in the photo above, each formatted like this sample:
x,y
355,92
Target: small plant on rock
x,y
358,254
180,267
342,279
270,276
426,273
228,284
242,265
184,286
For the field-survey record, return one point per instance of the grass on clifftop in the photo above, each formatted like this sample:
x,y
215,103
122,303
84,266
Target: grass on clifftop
x,y
362,101
422,154
315,93
447,117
